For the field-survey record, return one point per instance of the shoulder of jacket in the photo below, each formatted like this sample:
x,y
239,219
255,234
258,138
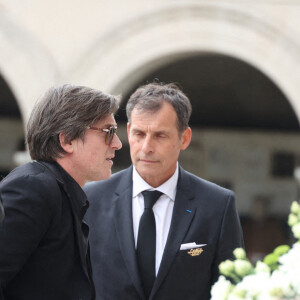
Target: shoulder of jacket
x,y
33,175
200,183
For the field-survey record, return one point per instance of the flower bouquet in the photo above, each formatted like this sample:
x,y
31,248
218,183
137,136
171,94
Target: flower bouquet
x,y
277,277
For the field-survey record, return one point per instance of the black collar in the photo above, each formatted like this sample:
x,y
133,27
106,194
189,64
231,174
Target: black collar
x,y
71,187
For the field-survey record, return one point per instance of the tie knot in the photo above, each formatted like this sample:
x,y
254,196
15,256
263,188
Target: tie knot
x,y
150,198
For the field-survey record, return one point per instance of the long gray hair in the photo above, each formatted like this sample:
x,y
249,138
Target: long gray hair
x,y
69,109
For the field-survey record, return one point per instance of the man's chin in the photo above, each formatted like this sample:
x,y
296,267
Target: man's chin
x,y
145,172
148,166
104,176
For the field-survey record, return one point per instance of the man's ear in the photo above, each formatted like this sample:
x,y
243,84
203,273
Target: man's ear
x,y
128,128
186,138
67,146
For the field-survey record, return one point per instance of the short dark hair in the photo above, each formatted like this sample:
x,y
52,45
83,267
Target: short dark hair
x,y
69,109
150,97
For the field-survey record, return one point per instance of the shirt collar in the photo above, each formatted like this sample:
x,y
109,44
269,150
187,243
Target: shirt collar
x,y
168,187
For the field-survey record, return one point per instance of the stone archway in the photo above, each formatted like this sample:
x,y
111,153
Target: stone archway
x,y
11,129
26,70
127,53
26,66
225,92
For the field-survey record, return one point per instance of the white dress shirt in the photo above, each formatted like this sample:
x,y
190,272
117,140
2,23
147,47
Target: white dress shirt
x,y
162,209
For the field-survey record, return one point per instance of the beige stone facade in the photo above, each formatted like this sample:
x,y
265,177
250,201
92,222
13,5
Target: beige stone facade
x,y
110,44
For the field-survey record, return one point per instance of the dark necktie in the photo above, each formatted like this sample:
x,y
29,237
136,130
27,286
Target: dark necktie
x,y
146,243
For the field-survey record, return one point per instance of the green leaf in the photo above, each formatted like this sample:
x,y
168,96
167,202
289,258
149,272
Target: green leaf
x,y
282,249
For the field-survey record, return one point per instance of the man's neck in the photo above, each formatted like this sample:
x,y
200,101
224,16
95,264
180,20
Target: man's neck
x,y
67,165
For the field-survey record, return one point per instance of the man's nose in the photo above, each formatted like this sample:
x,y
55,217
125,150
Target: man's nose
x,y
147,144
116,142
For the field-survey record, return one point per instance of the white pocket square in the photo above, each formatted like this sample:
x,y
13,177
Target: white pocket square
x,y
191,246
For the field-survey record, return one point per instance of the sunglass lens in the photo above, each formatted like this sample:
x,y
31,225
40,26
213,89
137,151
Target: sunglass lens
x,y
110,135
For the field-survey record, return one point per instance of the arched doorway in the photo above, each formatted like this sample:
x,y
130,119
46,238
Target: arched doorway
x,y
150,40
228,92
11,129
245,137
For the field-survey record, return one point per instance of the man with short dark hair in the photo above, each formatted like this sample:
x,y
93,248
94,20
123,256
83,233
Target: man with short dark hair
x,y
44,248
157,231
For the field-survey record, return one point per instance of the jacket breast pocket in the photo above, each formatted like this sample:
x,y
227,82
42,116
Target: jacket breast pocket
x,y
195,260
193,268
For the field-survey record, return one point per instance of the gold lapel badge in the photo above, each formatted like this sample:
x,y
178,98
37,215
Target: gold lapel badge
x,y
195,251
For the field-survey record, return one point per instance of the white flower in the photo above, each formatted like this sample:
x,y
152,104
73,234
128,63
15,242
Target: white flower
x,y
292,220
261,282
221,289
235,297
280,285
291,260
239,253
296,230
262,267
295,208
254,285
242,267
290,266
226,267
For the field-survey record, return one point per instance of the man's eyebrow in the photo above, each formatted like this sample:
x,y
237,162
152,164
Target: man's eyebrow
x,y
136,130
161,132
155,132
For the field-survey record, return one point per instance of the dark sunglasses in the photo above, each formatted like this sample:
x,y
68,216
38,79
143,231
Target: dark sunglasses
x,y
109,132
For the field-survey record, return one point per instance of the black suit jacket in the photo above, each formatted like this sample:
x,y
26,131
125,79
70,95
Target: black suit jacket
x,y
43,248
1,211
203,213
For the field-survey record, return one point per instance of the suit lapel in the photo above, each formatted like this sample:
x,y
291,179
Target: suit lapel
x,y
183,214
124,228
83,248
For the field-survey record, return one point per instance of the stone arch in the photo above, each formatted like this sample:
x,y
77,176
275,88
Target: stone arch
x,y
158,37
24,64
